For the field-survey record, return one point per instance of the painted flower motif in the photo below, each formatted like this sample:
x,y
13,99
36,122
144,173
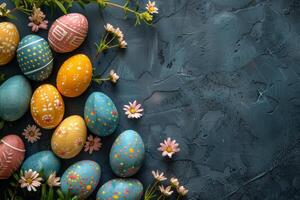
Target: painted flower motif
x,y
169,147
174,182
37,20
73,177
92,144
47,118
159,176
113,76
133,110
182,190
53,181
32,133
58,104
151,8
78,142
30,180
165,191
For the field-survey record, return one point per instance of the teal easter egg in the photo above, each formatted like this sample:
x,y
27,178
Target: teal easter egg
x,y
15,95
44,162
35,57
121,189
81,179
100,114
127,154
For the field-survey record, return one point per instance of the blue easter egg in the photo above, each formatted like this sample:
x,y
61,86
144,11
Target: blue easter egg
x,y
100,114
44,162
15,95
127,154
81,179
35,57
121,189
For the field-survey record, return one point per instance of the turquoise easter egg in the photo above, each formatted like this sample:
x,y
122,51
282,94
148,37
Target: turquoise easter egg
x,y
100,114
127,154
35,57
81,179
15,95
44,162
121,189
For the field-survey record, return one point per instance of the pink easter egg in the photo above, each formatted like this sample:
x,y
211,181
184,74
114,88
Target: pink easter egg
x,y
12,152
68,32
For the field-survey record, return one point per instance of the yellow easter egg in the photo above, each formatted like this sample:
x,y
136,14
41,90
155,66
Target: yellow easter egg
x,y
9,40
47,106
74,76
69,137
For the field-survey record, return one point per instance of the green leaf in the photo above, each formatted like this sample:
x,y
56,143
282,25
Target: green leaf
x,y
44,191
60,194
61,6
50,194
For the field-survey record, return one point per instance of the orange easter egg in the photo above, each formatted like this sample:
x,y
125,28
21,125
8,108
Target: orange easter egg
x,y
9,40
47,106
74,76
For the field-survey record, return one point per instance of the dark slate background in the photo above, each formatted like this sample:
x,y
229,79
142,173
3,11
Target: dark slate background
x,y
219,76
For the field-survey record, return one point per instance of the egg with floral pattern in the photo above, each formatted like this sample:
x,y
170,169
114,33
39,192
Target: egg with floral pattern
x,y
44,162
101,115
15,94
127,154
74,76
47,106
68,32
81,179
121,189
69,137
35,57
9,40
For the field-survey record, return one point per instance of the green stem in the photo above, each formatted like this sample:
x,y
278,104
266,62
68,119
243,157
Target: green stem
x,y
122,7
2,122
179,197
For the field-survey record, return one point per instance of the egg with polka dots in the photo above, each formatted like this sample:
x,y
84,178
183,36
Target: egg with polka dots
x,y
81,179
121,189
47,106
35,57
101,115
69,137
9,40
127,154
74,76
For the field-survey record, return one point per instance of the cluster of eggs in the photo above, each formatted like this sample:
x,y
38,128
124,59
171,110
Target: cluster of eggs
x,y
47,108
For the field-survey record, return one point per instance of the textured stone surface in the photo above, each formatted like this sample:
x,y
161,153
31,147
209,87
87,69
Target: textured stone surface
x,y
221,77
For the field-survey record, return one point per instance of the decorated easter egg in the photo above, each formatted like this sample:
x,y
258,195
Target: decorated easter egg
x,y
35,57
69,137
74,76
12,152
68,32
127,154
47,106
81,179
101,115
15,94
9,40
121,189
44,162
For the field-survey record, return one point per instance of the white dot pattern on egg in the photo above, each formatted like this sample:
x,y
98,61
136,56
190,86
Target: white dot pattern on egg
x,y
35,57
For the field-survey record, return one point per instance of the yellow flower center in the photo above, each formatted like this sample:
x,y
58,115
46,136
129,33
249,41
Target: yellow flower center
x,y
31,133
169,149
132,110
151,9
29,180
